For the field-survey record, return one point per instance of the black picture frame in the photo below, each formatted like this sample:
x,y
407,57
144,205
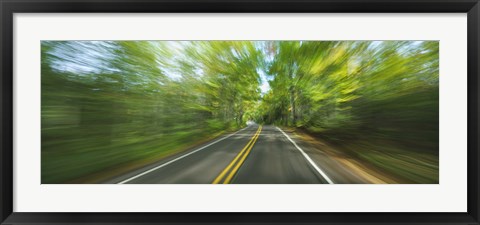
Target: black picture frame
x,y
9,7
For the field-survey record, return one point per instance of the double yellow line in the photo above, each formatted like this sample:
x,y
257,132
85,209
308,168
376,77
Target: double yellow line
x,y
238,161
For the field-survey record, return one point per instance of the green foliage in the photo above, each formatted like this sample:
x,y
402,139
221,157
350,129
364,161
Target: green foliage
x,y
106,103
320,84
375,98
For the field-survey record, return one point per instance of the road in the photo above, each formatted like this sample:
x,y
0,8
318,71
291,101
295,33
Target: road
x,y
253,155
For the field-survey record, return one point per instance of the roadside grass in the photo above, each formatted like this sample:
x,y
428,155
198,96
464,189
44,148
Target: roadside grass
x,y
104,162
388,161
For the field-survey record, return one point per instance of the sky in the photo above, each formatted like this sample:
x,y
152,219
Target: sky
x,y
264,86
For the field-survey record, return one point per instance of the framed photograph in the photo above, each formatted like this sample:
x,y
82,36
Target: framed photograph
x,y
239,112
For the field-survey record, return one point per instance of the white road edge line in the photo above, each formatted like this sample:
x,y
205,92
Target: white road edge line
x,y
308,158
178,158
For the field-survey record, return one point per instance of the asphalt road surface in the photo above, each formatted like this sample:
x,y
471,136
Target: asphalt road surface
x,y
253,155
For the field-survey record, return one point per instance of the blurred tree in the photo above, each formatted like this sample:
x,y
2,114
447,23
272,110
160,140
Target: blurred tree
x,y
108,103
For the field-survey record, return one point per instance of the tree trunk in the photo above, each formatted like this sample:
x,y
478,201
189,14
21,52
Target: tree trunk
x,y
292,105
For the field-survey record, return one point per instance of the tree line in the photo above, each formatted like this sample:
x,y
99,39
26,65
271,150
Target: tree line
x,y
107,104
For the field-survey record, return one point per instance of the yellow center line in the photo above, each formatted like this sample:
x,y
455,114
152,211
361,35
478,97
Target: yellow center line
x,y
250,143
235,169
